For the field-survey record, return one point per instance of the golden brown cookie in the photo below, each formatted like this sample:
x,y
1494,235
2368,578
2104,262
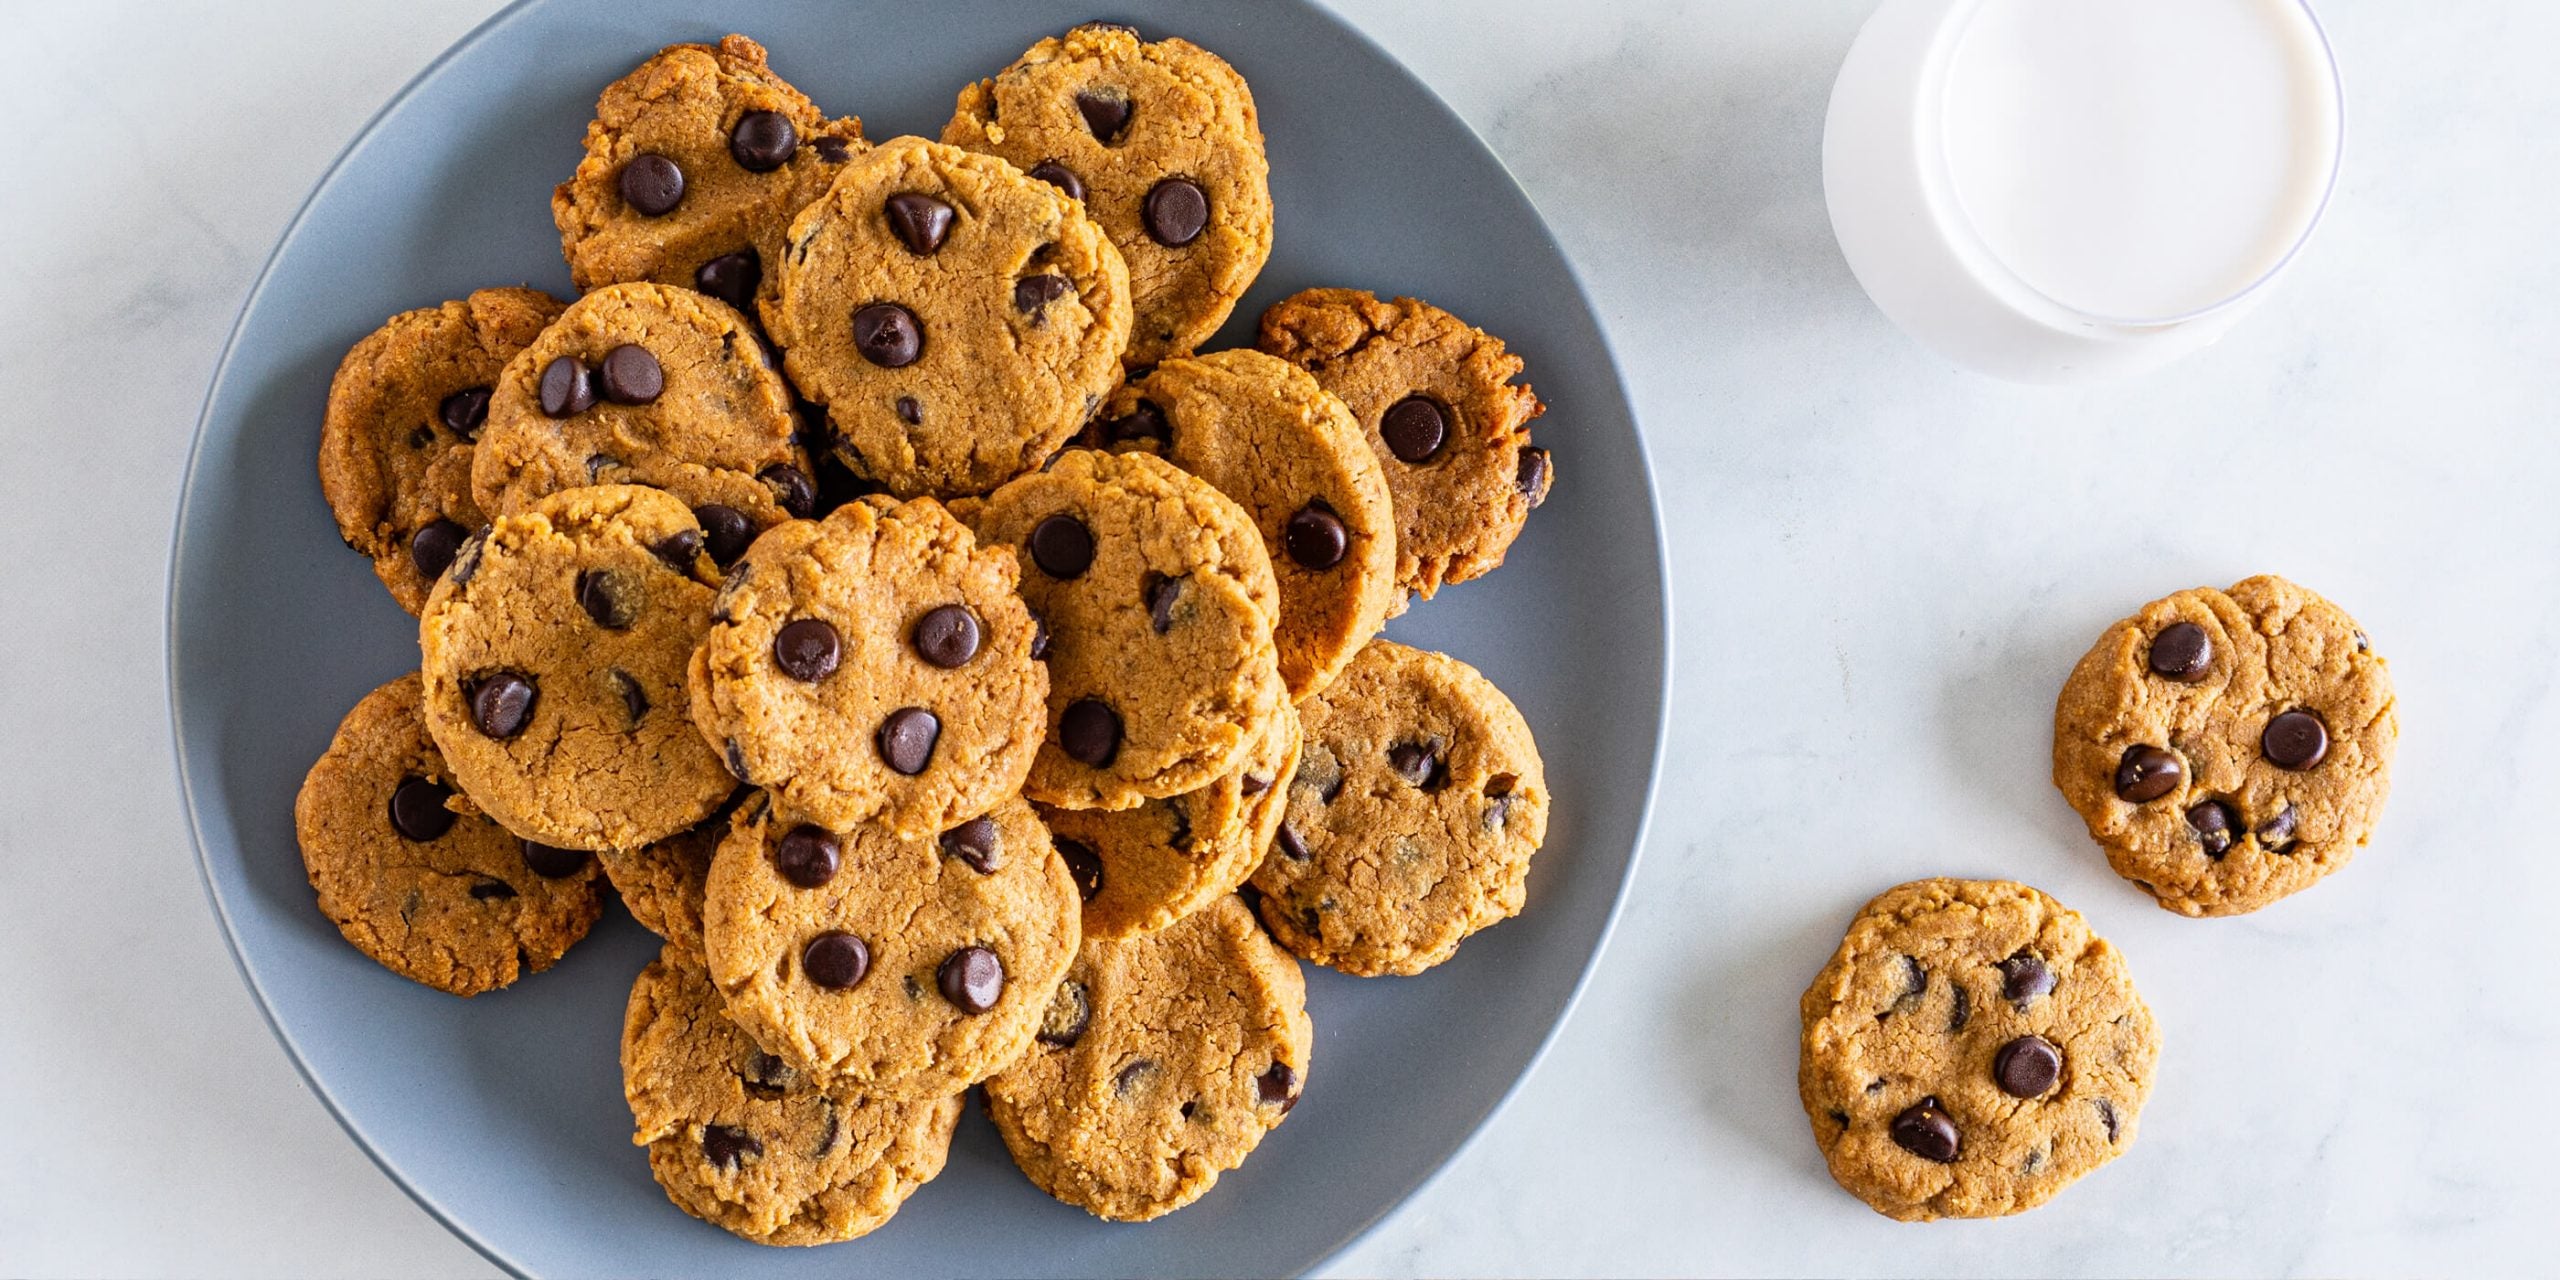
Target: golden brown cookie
x,y
415,876
874,667
1160,141
1291,455
1448,423
2228,748
1161,1064
661,882
1418,801
404,409
1970,1050
696,163
743,1141
957,320
555,655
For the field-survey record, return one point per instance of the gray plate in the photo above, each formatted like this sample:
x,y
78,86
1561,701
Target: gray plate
x,y
503,1115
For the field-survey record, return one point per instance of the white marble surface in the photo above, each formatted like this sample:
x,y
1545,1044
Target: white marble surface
x,y
1883,569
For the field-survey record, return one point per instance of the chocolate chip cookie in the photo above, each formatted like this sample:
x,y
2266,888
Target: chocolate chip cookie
x,y
404,409
1971,1050
1142,869
1448,423
1160,141
1163,1060
745,1142
2228,748
555,655
874,667
957,320
651,385
414,875
696,163
1159,604
1291,455
910,968
661,882
1418,801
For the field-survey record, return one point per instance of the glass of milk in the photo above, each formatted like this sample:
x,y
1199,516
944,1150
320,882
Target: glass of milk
x,y
2066,190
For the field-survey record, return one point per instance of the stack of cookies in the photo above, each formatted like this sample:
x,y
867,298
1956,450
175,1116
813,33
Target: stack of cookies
x,y
973,683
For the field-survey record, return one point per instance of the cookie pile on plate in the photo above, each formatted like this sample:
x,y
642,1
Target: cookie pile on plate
x,y
869,580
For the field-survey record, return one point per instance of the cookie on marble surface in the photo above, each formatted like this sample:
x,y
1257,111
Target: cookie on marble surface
x,y
696,163
1160,141
405,407
416,877
874,667
956,320
554,656
2228,748
743,1141
1418,802
1447,421
909,967
1162,1062
1291,455
1971,1050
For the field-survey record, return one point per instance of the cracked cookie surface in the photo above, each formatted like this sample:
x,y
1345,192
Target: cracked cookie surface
x,y
1970,1050
2228,748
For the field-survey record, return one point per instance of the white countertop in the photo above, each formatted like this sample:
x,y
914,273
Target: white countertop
x,y
1884,568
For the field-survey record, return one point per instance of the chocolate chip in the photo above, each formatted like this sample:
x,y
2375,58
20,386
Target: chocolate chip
x,y
1316,537
762,141
1059,176
887,335
501,703
736,755
946,636
1925,1131
2027,1067
976,842
1039,638
1176,212
1031,293
2275,834
727,1146
1312,922
1144,422
1083,866
907,737
909,412
567,388
487,889
599,463
808,856
833,150
2107,1116
1062,546
920,222
791,488
2023,977
2181,652
726,532
432,548
1536,473
2213,823
635,700
2148,773
1106,114
417,809
971,978
1415,428
1089,731
2295,740
552,862
678,549
767,1074
1068,1014
651,184
835,960
1130,1077
808,649
608,597
732,278
630,375
464,411
1961,1011
1419,763
1252,784
1279,1084
1161,594
1291,846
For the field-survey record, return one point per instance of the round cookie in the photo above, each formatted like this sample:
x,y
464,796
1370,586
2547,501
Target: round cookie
x,y
1286,450
1161,1064
1970,1050
1418,801
650,385
1449,426
957,320
406,404
661,882
1144,868
874,667
1159,604
696,163
555,657
746,1143
910,968
2228,748
416,877
1160,141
